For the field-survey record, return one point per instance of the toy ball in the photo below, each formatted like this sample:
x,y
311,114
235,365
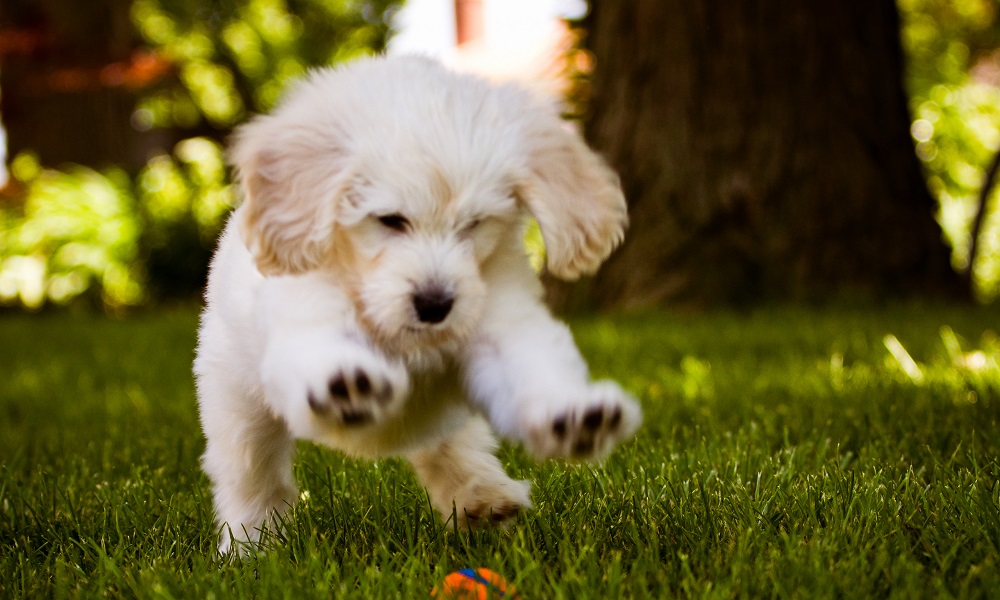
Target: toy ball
x,y
473,584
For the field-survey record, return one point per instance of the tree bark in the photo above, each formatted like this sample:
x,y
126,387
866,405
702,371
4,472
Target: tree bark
x,y
989,181
764,149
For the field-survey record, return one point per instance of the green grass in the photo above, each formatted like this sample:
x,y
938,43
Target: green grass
x,y
785,453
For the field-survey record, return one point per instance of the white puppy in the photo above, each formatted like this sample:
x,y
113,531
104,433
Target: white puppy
x,y
372,292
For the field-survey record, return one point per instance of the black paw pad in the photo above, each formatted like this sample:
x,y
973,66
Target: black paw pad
x,y
338,387
583,447
494,515
593,418
356,417
502,513
362,383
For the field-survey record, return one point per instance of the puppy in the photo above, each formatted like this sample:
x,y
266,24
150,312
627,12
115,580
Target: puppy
x,y
372,292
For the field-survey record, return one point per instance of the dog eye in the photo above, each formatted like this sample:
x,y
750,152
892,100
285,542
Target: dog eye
x,y
394,221
472,224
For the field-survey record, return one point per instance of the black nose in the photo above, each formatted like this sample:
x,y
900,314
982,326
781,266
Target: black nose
x,y
433,305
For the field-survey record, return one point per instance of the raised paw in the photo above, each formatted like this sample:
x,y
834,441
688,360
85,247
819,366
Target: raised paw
x,y
587,430
353,397
332,384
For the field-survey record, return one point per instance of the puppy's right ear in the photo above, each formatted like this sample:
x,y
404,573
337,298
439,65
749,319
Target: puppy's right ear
x,y
292,179
576,198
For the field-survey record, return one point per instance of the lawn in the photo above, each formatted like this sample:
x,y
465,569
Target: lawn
x,y
786,452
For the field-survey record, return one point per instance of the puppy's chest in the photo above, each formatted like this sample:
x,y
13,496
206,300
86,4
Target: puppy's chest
x,y
430,387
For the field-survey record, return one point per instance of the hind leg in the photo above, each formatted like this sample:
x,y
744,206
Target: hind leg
x,y
248,457
463,474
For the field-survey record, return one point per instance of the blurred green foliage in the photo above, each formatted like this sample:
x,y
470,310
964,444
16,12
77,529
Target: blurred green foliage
x,y
79,232
109,238
116,239
953,51
235,56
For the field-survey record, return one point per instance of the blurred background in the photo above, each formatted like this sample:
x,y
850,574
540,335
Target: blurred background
x,y
771,150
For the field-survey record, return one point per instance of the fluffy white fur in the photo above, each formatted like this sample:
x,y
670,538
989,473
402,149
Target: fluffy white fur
x,y
372,292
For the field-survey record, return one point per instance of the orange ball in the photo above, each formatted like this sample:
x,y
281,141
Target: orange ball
x,y
473,584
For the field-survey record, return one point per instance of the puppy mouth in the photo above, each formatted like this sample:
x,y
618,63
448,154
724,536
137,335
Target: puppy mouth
x,y
430,329
421,337
422,329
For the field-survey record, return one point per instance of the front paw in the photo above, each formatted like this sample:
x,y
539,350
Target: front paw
x,y
588,427
346,385
356,396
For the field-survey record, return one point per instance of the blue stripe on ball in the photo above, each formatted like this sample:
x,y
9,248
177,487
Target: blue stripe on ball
x,y
471,574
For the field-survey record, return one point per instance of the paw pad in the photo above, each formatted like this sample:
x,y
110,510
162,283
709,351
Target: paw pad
x,y
584,433
354,398
589,430
492,515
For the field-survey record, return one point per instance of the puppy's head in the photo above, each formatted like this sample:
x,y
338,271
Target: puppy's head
x,y
408,181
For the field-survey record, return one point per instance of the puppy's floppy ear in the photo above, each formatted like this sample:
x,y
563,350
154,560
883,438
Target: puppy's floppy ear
x,y
576,199
292,178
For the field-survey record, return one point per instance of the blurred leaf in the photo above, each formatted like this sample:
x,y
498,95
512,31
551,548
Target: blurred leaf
x,y
239,54
953,50
79,228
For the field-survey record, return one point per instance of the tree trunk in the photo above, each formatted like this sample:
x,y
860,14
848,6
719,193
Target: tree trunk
x,y
764,149
975,232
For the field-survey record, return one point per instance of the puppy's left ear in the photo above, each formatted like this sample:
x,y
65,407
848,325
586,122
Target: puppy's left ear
x,y
293,179
575,197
